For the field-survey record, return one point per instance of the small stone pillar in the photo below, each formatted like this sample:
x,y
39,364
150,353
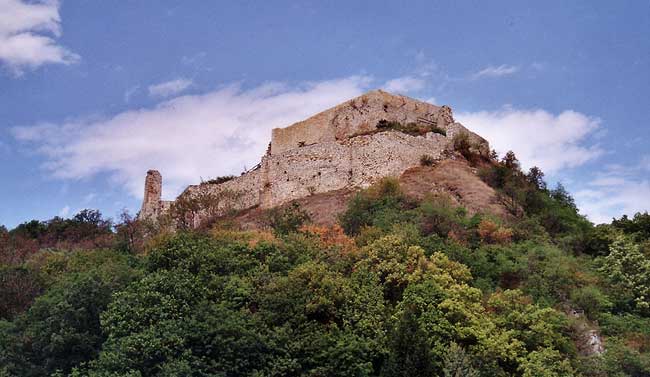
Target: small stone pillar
x,y
152,195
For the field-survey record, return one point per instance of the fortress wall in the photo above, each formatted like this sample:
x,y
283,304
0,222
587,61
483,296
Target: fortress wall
x,y
152,193
311,131
304,171
358,162
389,154
246,187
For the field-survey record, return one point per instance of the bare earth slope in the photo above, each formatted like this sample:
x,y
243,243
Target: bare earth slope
x,y
459,180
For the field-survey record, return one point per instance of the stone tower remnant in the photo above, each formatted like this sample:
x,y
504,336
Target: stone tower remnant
x,y
152,195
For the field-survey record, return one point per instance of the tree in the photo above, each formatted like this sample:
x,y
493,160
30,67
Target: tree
x,y
639,226
409,349
510,161
562,196
535,177
628,270
457,363
19,286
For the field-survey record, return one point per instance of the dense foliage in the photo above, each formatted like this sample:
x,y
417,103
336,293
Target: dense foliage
x,y
400,287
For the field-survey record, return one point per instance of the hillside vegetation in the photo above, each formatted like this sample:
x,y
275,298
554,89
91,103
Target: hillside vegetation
x,y
398,287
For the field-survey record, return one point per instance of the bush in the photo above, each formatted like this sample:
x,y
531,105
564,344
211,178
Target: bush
x,y
491,232
288,219
412,128
438,216
591,300
426,160
382,205
462,144
219,180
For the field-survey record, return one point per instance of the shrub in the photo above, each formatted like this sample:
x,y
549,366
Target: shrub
x,y
426,160
462,144
412,128
219,180
202,207
438,216
492,233
591,300
382,205
288,219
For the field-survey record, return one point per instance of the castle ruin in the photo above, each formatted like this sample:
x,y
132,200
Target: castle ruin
x,y
339,148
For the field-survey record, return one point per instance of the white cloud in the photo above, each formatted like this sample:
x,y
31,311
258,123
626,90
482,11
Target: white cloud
x,y
27,35
615,191
169,88
64,212
130,92
187,137
491,71
538,138
404,85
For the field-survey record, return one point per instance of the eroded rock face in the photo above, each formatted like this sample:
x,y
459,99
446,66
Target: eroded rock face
x,y
337,149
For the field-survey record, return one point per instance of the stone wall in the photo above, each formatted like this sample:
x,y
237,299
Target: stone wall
x,y
246,188
357,162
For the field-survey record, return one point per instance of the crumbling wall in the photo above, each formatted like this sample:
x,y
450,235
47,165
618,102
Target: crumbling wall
x,y
357,162
246,187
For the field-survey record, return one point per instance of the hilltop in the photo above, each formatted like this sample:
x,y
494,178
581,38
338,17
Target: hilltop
x,y
341,150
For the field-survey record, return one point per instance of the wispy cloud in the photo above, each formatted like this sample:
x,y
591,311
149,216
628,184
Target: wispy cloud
x,y
537,137
187,137
616,190
169,88
405,84
27,35
130,92
500,71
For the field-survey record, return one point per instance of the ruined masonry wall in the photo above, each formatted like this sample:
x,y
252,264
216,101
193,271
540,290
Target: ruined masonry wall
x,y
358,163
247,187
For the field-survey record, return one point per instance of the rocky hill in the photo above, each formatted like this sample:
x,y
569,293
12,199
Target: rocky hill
x,y
340,150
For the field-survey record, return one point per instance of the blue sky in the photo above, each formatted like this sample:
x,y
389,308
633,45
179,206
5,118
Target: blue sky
x,y
92,94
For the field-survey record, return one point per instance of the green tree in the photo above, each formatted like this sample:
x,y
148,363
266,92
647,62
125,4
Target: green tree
x,y
628,270
409,349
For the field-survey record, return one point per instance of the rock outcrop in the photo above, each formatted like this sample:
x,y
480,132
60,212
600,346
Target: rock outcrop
x,y
338,149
